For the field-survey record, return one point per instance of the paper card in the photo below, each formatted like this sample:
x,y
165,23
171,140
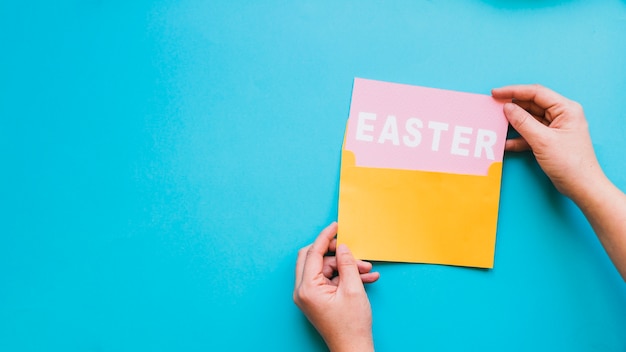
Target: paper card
x,y
420,174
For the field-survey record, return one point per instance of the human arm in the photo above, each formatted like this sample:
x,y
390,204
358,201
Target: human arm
x,y
556,131
336,305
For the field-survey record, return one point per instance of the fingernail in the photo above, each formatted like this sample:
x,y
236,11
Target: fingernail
x,y
509,107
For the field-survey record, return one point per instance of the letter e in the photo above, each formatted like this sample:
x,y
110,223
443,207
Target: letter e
x,y
363,127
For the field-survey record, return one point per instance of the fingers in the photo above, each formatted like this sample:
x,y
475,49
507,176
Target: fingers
x,y
300,264
516,145
330,266
364,267
347,267
532,108
312,261
534,105
314,258
368,278
333,245
543,97
526,125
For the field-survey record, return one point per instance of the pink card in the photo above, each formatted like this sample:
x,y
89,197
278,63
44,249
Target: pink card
x,y
399,126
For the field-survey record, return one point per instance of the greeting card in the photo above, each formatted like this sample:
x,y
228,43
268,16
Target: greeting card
x,y
420,174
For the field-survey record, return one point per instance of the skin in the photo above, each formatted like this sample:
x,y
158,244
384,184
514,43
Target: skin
x,y
336,305
554,128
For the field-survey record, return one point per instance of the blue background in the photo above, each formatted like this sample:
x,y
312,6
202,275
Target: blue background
x,y
162,162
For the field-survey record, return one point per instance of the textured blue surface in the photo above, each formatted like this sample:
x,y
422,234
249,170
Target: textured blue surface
x,y
162,162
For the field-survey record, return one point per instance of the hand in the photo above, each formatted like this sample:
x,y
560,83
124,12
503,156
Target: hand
x,y
336,305
555,129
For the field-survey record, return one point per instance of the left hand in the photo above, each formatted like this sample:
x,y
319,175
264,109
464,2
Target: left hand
x,y
336,305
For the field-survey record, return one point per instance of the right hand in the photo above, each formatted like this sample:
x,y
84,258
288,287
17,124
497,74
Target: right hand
x,y
556,131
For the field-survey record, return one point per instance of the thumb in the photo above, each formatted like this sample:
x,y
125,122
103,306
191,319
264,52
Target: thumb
x,y
524,123
347,266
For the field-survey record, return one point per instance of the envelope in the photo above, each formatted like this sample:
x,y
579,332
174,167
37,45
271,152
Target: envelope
x,y
420,175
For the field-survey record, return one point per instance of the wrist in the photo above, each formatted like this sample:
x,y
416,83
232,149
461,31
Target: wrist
x,y
583,183
592,192
362,341
357,345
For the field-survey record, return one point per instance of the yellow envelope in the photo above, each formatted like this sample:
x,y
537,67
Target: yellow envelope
x,y
420,175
